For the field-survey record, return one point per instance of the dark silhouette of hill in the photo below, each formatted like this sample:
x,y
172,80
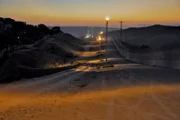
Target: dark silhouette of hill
x,y
155,37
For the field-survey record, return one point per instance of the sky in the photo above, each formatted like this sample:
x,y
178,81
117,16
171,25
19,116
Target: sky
x,y
92,12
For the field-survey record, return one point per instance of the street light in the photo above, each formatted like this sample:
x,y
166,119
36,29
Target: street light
x,y
107,18
99,39
121,33
107,22
101,32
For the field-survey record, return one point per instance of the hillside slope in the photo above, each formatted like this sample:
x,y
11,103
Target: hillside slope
x,y
53,52
156,36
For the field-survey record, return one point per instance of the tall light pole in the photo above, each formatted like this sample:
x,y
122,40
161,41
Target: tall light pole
x,y
120,34
101,33
99,40
100,44
107,22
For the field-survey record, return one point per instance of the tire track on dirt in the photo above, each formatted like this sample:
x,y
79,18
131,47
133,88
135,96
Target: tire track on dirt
x,y
40,82
12,101
62,83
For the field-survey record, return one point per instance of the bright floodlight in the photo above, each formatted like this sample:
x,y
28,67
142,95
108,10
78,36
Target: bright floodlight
x,y
99,38
107,18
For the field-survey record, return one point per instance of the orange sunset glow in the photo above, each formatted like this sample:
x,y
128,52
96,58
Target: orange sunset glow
x,y
92,13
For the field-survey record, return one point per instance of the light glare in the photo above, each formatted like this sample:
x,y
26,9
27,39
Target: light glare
x,y
107,18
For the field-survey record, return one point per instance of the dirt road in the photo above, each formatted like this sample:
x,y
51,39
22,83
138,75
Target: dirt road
x,y
127,91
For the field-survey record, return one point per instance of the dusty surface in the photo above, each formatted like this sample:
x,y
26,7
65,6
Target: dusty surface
x,y
127,91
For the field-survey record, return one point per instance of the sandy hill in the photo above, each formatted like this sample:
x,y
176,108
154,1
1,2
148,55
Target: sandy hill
x,y
50,53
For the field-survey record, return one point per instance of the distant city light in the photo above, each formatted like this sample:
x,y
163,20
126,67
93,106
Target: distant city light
x,y
89,36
